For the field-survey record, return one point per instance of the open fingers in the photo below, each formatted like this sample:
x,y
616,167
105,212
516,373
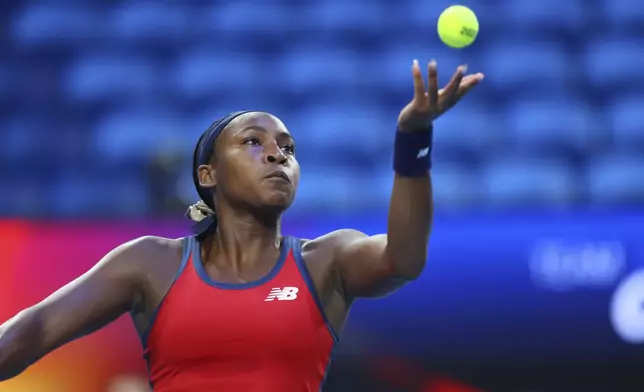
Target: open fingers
x,y
468,83
432,90
419,83
455,82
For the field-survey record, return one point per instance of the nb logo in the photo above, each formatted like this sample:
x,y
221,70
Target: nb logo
x,y
285,294
423,153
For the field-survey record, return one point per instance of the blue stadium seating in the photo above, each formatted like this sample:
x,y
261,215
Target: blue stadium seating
x,y
543,17
97,197
616,178
539,68
550,122
106,76
625,119
125,135
613,61
518,180
622,14
49,24
456,186
142,22
557,122
470,130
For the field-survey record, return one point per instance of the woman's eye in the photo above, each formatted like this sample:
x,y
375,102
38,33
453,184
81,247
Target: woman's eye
x,y
290,149
252,141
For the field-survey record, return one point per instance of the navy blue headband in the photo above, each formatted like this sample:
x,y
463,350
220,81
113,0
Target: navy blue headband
x,y
206,144
205,148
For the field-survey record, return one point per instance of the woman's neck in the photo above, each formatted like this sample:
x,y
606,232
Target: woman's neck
x,y
243,239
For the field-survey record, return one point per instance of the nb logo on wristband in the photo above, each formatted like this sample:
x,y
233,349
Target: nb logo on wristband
x,y
423,153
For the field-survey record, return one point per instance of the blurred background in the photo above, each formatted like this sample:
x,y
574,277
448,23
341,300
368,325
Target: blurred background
x,y
536,274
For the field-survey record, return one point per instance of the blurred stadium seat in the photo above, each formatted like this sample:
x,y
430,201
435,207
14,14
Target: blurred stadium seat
x,y
613,61
550,122
616,178
38,25
557,121
522,180
625,120
108,76
547,16
144,22
622,13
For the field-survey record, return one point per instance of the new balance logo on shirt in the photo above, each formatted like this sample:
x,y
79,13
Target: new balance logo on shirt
x,y
282,294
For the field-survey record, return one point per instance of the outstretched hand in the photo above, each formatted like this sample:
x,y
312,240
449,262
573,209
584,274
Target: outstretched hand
x,y
429,102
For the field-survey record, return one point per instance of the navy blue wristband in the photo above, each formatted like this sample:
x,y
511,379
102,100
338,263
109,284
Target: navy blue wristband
x,y
413,153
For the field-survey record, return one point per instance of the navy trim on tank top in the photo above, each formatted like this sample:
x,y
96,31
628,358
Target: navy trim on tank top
x,y
328,365
185,256
184,261
201,270
306,276
296,246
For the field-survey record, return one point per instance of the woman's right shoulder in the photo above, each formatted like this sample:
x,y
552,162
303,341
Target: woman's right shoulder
x,y
148,251
150,243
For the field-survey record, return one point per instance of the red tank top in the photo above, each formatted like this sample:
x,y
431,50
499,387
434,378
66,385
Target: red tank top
x,y
270,335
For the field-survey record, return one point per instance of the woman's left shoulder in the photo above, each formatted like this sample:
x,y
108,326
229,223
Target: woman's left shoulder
x,y
326,245
337,237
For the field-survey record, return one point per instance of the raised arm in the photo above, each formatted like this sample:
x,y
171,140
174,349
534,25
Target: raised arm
x,y
86,304
377,265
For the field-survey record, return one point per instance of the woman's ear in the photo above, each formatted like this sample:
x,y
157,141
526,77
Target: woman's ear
x,y
206,175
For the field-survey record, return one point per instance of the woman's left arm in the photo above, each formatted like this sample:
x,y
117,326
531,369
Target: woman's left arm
x,y
377,265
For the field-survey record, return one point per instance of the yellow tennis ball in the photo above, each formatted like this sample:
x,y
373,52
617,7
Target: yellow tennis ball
x,y
458,26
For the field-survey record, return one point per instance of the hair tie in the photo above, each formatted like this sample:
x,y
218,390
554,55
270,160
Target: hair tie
x,y
204,227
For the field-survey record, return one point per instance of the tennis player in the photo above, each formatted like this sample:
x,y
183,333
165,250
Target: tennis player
x,y
238,306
